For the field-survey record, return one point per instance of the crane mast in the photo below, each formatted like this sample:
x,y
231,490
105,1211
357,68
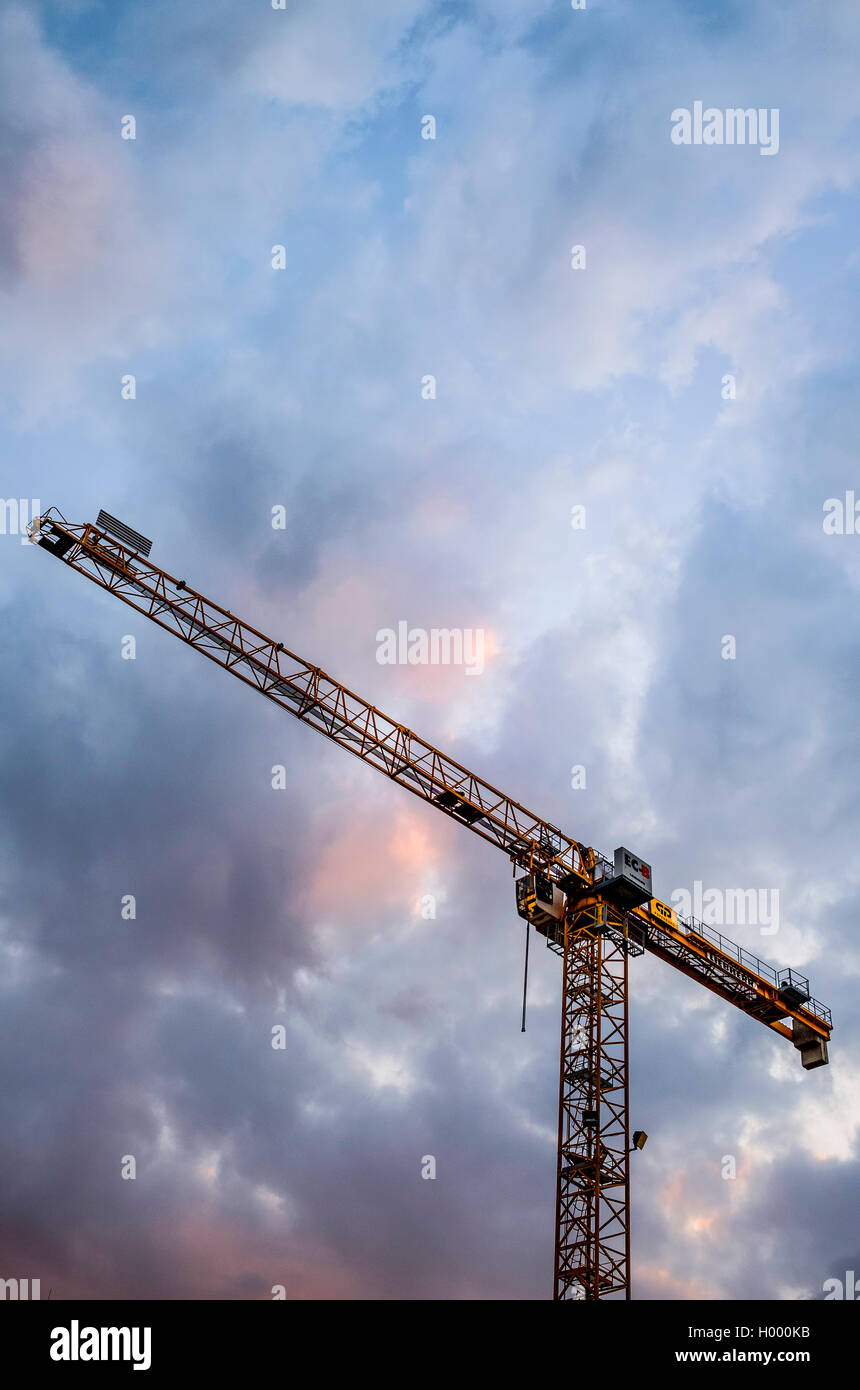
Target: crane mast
x,y
593,912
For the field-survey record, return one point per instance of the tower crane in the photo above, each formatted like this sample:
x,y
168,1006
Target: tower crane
x,y
594,913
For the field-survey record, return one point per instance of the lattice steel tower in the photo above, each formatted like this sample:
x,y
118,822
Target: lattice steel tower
x,y
593,913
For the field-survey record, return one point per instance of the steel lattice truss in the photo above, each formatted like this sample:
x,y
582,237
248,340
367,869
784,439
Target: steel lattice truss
x,y
595,937
593,1204
318,700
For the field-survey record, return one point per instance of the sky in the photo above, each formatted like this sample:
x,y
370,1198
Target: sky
x,y
427,386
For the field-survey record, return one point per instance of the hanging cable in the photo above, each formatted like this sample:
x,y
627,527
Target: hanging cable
x,y
525,977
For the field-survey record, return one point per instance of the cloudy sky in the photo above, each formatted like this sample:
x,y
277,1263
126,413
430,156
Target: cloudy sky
x,y
605,387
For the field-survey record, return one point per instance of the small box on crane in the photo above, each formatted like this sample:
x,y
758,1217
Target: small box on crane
x,y
630,884
811,1046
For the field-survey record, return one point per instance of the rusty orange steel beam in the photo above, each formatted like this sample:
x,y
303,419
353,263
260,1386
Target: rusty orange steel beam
x,y
728,970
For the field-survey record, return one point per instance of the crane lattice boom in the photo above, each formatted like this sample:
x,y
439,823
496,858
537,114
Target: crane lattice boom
x,y
594,913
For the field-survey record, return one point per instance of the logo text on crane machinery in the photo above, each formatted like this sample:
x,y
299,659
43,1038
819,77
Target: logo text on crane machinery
x,y
435,646
727,907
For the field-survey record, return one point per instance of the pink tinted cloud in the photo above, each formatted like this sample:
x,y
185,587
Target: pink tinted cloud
x,y
382,858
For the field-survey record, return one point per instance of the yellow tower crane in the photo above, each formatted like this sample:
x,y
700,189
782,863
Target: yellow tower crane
x,y
595,913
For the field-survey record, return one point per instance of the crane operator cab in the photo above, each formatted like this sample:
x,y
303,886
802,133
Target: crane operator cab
x,y
541,902
624,884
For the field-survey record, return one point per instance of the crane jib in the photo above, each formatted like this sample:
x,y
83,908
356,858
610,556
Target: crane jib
x,y
325,704
593,912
